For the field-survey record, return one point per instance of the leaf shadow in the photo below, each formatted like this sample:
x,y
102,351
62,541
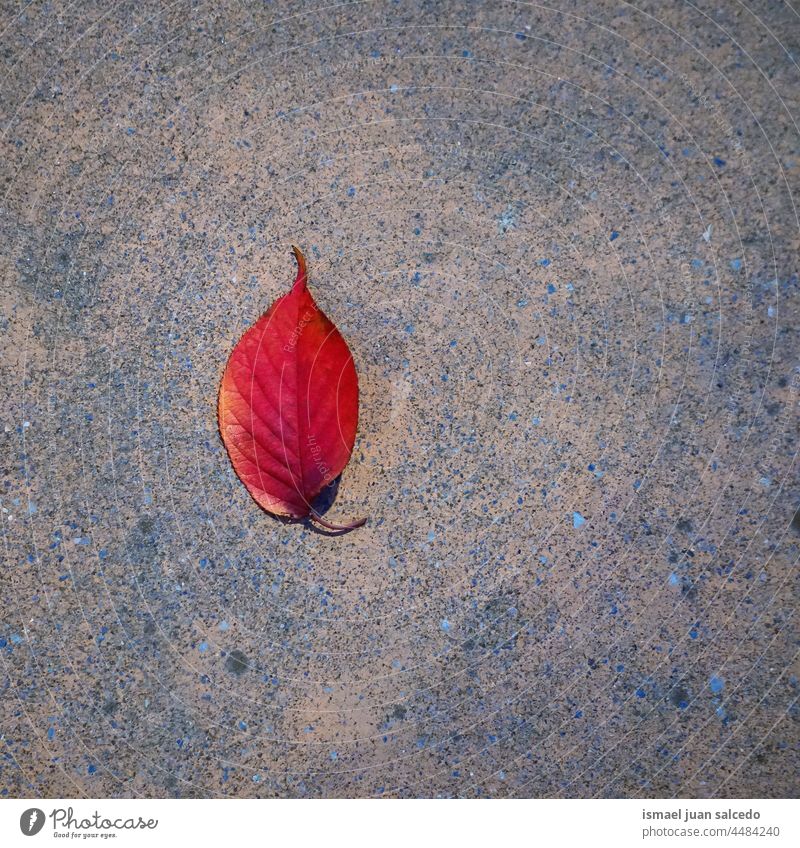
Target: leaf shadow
x,y
321,504
326,498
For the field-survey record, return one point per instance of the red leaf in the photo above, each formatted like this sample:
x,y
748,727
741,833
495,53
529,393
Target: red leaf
x,y
288,404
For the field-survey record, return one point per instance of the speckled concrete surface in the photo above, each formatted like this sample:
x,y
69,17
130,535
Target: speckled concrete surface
x,y
562,243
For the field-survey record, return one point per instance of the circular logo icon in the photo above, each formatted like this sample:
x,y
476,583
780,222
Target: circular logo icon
x,y
31,821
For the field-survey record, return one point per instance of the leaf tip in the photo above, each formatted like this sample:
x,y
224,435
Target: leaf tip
x,y
302,274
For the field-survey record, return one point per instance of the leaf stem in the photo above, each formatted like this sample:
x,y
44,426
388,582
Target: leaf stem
x,y
331,526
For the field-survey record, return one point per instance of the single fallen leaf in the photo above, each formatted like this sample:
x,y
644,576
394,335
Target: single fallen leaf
x,y
288,405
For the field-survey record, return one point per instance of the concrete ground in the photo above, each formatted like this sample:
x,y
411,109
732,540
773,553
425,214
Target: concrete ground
x,y
562,243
